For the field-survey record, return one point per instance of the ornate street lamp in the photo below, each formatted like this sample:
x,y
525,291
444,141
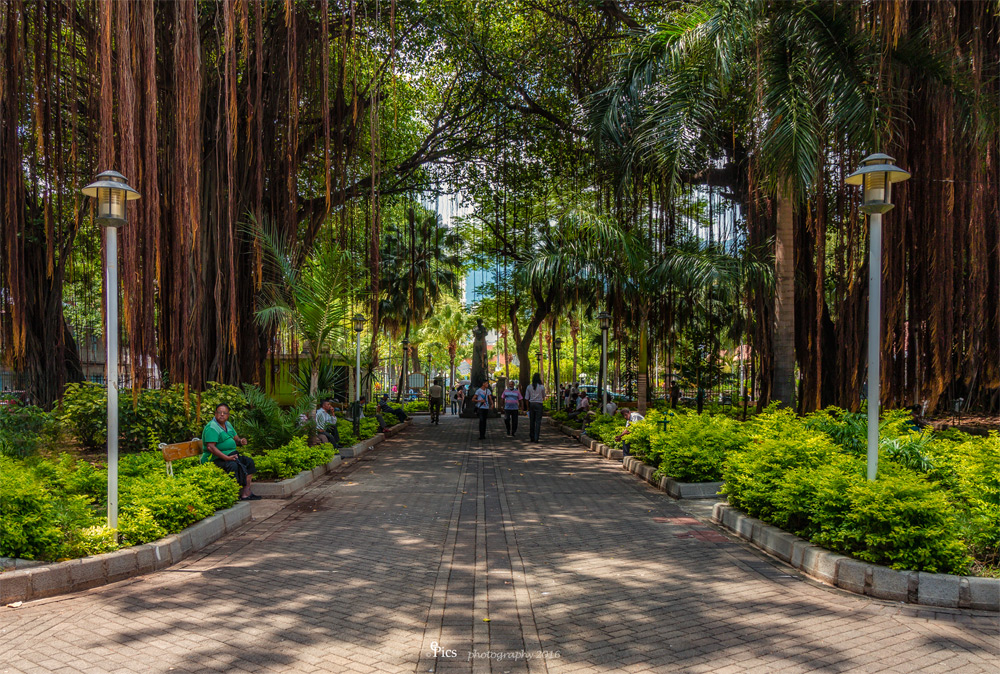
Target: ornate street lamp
x,y
112,193
605,318
876,176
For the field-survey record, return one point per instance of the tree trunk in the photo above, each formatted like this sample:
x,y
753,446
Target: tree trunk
x,y
643,361
784,305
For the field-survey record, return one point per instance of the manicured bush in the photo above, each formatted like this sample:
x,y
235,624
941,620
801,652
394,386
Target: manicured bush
x,y
368,428
416,406
27,515
694,447
290,460
605,427
137,525
23,428
902,521
967,467
155,416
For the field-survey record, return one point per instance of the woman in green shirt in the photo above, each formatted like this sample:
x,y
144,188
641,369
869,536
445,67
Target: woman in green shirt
x,y
220,442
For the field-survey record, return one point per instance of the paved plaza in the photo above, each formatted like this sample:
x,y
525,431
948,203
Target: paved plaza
x,y
438,552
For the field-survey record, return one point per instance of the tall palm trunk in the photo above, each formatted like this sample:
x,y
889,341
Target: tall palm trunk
x,y
643,360
784,304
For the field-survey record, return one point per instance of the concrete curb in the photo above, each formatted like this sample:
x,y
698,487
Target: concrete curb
x,y
289,487
82,574
36,580
678,490
872,580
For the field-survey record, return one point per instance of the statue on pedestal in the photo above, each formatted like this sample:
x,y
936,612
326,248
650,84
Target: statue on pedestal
x,y
480,359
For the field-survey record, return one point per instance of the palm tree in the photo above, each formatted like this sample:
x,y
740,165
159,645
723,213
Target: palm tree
x,y
451,325
307,295
418,266
801,72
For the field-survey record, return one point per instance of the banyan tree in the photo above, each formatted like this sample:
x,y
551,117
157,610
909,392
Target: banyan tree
x,y
215,112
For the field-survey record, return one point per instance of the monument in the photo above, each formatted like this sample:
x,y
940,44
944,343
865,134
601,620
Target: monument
x,y
480,358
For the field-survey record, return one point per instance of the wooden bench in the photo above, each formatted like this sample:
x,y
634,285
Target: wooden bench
x,y
179,450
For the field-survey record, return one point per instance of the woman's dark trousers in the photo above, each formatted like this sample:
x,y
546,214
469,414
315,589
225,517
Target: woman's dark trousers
x,y
535,421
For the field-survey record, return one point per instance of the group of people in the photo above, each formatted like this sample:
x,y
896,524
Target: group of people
x,y
512,402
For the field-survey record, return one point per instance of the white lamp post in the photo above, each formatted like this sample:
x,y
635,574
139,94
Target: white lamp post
x,y
605,319
112,193
359,325
876,176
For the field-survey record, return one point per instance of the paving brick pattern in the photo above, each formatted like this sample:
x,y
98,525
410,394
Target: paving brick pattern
x,y
534,558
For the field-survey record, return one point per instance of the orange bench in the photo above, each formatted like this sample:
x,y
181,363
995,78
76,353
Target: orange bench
x,y
179,450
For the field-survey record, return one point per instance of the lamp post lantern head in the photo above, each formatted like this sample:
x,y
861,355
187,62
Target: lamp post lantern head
x,y
406,343
605,318
112,192
558,343
359,323
876,176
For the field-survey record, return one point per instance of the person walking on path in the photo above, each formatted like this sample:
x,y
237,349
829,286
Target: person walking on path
x,y
436,394
220,441
484,401
511,407
453,396
535,395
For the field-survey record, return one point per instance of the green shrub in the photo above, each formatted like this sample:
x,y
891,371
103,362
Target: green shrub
x,y
217,488
290,460
605,427
27,515
416,406
266,424
694,447
753,473
902,521
94,540
968,469
23,428
137,525
174,503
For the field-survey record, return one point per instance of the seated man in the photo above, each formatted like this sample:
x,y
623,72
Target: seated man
x,y
611,408
582,406
387,408
326,424
219,440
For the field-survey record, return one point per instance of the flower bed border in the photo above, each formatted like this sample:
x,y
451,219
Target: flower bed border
x,y
858,577
675,488
286,488
43,579
82,574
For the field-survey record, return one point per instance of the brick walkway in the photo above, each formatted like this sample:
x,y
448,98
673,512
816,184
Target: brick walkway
x,y
436,543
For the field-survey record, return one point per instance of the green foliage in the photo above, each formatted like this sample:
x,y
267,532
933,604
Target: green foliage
x,y
416,406
23,428
174,503
157,415
605,427
968,469
694,447
806,483
218,489
137,525
902,521
266,424
368,429
27,515
563,418
290,460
